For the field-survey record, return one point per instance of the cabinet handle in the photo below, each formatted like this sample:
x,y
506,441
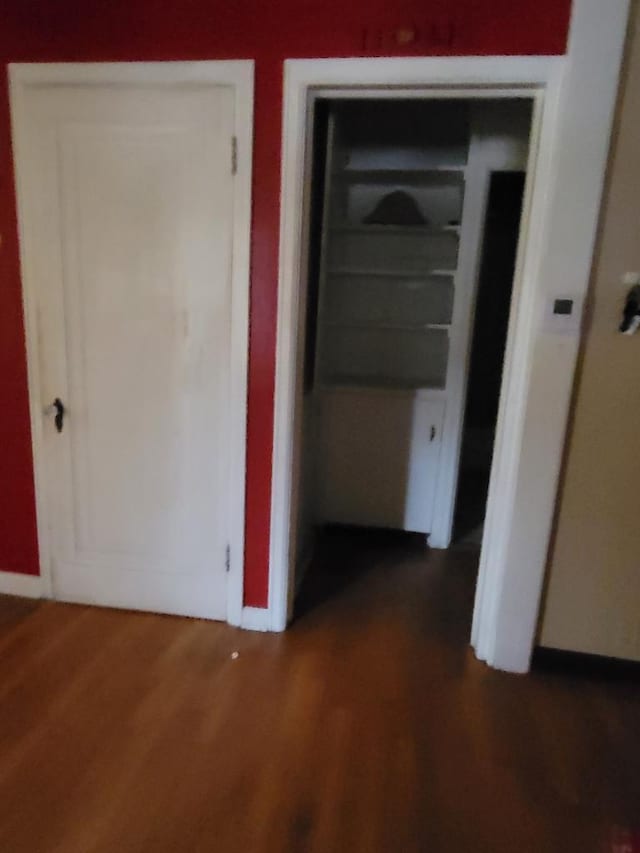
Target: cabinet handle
x,y
432,434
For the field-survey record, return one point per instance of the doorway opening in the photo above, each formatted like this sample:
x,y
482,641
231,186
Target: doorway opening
x,y
573,98
484,378
413,226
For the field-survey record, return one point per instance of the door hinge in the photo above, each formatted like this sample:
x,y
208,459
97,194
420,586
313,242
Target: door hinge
x,y
227,558
234,155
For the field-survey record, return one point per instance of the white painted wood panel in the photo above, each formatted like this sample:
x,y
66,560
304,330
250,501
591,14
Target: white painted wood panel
x,y
129,200
379,457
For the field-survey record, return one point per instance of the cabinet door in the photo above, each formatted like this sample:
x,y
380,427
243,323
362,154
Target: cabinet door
x,y
380,455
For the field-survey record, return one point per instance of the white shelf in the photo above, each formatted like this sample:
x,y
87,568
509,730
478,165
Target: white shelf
x,y
355,271
423,392
436,173
390,327
411,230
360,386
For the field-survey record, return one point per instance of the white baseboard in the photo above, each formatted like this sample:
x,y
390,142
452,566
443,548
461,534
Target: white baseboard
x,y
27,586
31,586
256,619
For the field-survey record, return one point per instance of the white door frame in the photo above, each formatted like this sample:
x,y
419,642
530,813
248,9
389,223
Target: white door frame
x,y
559,226
238,75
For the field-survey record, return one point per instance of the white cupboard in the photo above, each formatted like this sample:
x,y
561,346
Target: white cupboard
x,y
380,457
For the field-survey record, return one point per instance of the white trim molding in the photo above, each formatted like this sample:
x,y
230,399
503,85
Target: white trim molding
x,y
256,619
575,95
238,75
25,586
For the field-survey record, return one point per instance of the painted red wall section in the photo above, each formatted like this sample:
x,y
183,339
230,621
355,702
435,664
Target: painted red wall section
x,y
267,31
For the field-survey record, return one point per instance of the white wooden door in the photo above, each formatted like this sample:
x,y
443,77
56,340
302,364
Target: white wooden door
x,y
128,195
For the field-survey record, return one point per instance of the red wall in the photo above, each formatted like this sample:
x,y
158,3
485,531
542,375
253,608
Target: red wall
x,y
267,31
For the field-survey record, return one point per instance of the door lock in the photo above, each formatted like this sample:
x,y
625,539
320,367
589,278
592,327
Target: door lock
x,y
58,407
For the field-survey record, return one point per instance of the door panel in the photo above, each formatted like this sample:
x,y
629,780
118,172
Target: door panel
x,y
380,455
132,205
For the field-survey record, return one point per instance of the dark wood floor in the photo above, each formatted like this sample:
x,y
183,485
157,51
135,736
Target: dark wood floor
x,y
369,726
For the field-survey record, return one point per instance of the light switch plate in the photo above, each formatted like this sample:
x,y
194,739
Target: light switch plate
x,y
563,314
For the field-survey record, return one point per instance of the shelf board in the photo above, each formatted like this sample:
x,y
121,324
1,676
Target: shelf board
x,y
378,385
390,327
412,230
356,271
425,391
433,174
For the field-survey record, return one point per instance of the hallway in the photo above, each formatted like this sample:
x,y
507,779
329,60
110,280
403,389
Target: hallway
x,y
369,726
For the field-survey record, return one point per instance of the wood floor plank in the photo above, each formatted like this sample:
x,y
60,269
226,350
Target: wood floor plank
x,y
369,726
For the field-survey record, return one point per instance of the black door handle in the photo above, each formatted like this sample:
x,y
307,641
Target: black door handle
x,y
59,418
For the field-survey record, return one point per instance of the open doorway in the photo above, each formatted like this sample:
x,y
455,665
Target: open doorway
x,y
490,324
573,99
414,211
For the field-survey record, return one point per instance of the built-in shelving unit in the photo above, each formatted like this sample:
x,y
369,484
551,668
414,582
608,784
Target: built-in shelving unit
x,y
399,250
388,285
388,296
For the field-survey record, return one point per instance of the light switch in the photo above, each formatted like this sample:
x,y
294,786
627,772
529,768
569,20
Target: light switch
x,y
563,314
563,306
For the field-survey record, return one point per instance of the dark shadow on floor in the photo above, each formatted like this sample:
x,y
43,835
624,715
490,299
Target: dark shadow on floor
x,y
471,504
13,609
345,555
368,571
